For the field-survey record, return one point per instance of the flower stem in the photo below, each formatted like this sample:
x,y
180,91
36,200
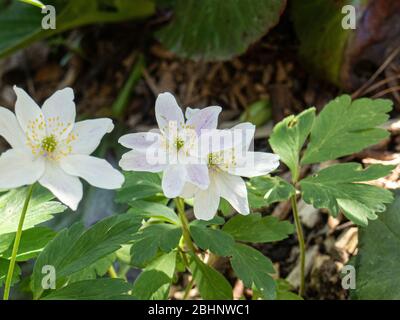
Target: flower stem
x,y
112,273
300,237
16,243
180,205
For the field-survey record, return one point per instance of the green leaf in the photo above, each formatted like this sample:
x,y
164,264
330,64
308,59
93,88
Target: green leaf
x,y
198,29
256,229
99,268
20,24
344,127
149,240
75,249
154,210
283,291
266,190
4,265
32,243
98,289
211,284
40,209
378,257
155,281
215,240
336,187
253,267
289,136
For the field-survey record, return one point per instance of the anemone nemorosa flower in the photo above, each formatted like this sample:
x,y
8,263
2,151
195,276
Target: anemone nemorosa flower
x,y
49,147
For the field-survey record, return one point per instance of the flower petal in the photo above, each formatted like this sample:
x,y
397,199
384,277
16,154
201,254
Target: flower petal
x,y
59,111
205,119
233,189
68,189
141,140
10,129
190,112
89,133
244,134
140,161
189,191
197,174
173,180
167,110
28,113
256,164
19,168
206,202
97,172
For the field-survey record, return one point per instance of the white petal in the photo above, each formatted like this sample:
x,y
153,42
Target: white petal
x,y
97,172
167,110
68,189
89,134
173,180
189,190
190,112
10,129
205,119
141,140
233,189
27,111
256,164
244,134
140,161
198,175
19,168
206,202
59,111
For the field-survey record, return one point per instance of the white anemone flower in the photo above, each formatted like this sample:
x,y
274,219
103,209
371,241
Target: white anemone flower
x,y
229,159
48,147
173,149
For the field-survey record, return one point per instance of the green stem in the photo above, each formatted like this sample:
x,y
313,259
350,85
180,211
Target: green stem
x,y
112,273
16,244
300,237
188,288
180,205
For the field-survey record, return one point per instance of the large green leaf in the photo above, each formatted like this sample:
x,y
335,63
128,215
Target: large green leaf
x,y
256,229
211,284
288,138
253,267
215,30
98,289
21,24
378,259
4,265
154,210
344,127
75,249
97,269
40,209
339,186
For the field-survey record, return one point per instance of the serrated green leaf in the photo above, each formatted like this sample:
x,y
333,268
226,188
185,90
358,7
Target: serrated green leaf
x,y
289,136
211,284
98,289
75,248
41,209
338,187
4,265
378,257
198,29
97,269
344,127
149,240
154,210
155,281
256,229
264,191
252,267
283,291
215,240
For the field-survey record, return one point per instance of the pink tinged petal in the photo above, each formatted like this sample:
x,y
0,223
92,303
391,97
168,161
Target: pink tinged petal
x,y
141,161
97,172
59,111
233,189
173,180
88,135
168,112
204,119
206,202
10,129
68,189
197,174
19,168
141,140
256,164
28,113
189,191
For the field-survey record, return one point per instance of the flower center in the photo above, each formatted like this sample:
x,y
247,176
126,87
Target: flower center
x,y
49,144
179,143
